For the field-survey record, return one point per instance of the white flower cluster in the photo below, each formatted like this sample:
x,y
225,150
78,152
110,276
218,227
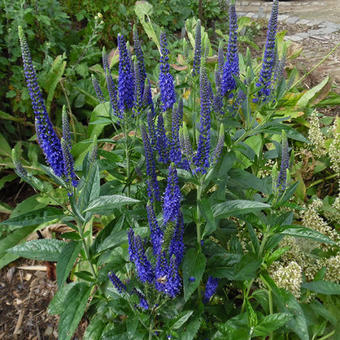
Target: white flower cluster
x,y
315,135
288,277
333,269
334,147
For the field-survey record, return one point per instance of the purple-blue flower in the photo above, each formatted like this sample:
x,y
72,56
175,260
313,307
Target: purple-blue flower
x,y
111,87
47,138
147,98
166,81
140,60
266,73
162,141
282,178
97,89
139,88
156,233
120,286
210,288
173,283
150,163
172,197
197,56
143,266
69,173
125,77
175,149
231,66
201,159
176,247
161,272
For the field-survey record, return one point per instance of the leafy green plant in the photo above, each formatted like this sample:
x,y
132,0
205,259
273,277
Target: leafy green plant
x,y
180,198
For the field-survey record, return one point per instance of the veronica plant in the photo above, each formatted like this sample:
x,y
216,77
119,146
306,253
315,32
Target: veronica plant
x,y
194,250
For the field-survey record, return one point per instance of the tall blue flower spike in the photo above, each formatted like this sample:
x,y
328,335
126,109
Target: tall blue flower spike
x,y
125,77
161,272
210,289
150,164
66,149
231,66
186,144
140,60
175,149
201,159
120,286
111,87
142,300
156,233
162,140
172,197
282,178
97,89
198,50
266,73
143,266
47,138
176,247
166,81
173,283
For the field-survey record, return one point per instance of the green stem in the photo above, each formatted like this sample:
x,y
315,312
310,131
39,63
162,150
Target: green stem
x,y
198,222
327,335
322,180
316,66
246,294
270,302
127,158
150,329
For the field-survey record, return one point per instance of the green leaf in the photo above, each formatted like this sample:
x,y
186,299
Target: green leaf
x,y
59,300
74,309
66,261
35,217
42,250
323,287
91,187
205,208
181,319
193,266
51,174
53,77
5,179
116,238
5,149
270,323
305,99
191,329
7,258
105,204
299,231
95,329
85,275
238,207
100,111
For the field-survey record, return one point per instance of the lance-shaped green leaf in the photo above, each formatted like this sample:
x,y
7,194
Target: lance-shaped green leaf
x,y
238,207
73,310
323,287
43,250
66,261
34,217
105,204
299,231
95,329
270,323
193,266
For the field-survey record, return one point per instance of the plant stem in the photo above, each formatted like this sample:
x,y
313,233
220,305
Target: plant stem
x,y
246,294
198,213
127,157
316,66
327,335
150,328
322,180
270,302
